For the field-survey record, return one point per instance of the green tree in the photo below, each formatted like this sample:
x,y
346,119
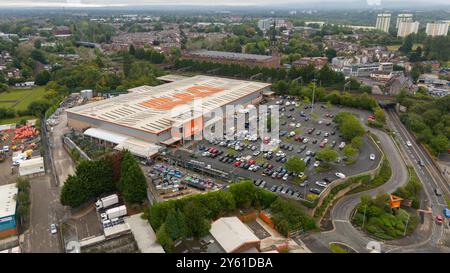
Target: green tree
x,y
380,115
295,164
357,142
327,155
42,78
349,151
175,225
196,222
132,182
163,238
440,143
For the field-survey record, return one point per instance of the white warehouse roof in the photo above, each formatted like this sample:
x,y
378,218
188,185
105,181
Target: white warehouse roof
x,y
149,109
231,233
7,200
105,135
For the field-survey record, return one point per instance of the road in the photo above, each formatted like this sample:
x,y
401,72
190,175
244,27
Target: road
x,y
430,177
45,206
343,230
341,213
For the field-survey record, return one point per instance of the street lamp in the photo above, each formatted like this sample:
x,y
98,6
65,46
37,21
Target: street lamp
x,y
314,91
406,226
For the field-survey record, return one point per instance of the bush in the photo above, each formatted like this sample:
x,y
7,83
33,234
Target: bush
x,y
411,190
288,215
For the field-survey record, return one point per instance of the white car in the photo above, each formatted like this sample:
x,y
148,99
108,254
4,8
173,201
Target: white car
x,y
53,229
300,175
5,149
285,177
256,153
408,143
372,157
316,164
340,175
298,125
320,122
322,184
292,133
305,140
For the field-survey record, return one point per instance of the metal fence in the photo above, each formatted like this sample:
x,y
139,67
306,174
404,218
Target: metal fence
x,y
69,144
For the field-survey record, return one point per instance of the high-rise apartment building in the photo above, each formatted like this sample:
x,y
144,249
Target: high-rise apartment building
x,y
404,17
383,22
437,29
406,28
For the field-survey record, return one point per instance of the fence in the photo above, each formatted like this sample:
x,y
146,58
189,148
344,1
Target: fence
x,y
69,145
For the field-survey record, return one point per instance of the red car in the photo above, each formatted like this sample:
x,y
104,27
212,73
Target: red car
x,y
237,163
252,162
439,220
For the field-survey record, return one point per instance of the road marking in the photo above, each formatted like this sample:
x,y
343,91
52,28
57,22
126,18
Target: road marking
x,y
341,221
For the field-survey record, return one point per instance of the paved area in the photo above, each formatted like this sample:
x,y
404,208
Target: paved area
x,y
64,164
143,234
45,210
362,162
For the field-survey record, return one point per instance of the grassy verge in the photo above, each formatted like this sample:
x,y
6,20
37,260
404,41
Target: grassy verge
x,y
382,177
376,217
411,191
335,248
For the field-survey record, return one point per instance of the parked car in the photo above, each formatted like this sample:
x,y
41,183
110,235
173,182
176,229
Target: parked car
x,y
53,229
340,175
372,157
439,220
315,190
322,184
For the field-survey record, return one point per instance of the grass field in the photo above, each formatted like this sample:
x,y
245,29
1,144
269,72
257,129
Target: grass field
x,y
19,99
396,47
15,120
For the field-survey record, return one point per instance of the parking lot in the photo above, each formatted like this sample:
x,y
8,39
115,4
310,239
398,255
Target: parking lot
x,y
296,122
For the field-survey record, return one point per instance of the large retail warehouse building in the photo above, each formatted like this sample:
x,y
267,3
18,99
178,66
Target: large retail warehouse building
x,y
148,113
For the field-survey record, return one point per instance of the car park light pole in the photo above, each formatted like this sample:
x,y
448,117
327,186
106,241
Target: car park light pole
x,y
314,91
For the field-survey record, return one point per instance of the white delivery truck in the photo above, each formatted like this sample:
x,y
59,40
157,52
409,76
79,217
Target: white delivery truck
x,y
107,201
117,212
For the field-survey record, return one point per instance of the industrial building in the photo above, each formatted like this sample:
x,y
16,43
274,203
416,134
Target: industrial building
x,y
149,116
8,210
233,58
364,70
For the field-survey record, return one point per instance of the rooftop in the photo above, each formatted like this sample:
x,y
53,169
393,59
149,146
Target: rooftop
x,y
230,55
231,233
7,200
155,109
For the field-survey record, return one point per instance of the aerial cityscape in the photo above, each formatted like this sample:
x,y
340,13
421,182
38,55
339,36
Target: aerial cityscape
x,y
230,127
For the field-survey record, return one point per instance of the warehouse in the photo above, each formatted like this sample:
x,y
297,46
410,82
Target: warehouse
x,y
8,210
148,113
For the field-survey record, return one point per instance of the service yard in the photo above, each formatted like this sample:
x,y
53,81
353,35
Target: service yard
x,y
296,123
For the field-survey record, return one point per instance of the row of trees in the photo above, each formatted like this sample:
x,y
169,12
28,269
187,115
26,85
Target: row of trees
x,y
146,54
429,120
191,216
96,177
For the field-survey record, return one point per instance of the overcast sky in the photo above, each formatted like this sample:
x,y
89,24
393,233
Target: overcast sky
x,y
97,3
